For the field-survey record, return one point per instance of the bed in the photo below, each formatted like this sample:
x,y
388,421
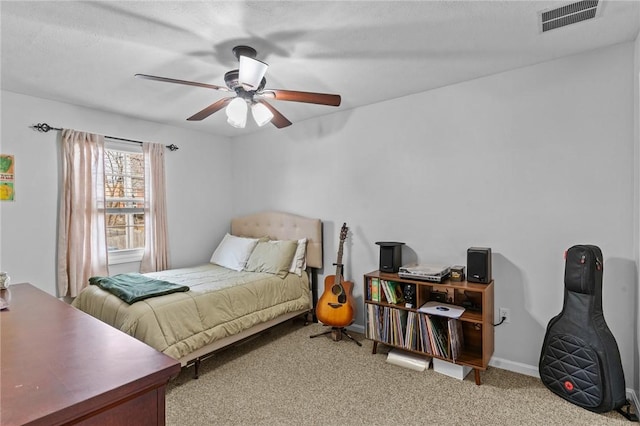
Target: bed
x,y
223,305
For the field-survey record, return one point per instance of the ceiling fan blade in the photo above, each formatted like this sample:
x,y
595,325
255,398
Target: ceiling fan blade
x,y
188,83
278,119
308,97
217,106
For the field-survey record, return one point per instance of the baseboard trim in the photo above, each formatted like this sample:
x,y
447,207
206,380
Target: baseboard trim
x,y
516,367
356,328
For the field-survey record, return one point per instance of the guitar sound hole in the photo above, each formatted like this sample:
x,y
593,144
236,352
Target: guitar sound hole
x,y
337,290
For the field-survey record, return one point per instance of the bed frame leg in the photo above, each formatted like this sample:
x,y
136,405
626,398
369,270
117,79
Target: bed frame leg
x,y
314,293
196,368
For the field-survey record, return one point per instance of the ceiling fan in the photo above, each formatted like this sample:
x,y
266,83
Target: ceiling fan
x,y
248,83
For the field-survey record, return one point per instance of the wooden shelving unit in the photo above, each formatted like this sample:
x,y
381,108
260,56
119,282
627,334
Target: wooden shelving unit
x,y
476,322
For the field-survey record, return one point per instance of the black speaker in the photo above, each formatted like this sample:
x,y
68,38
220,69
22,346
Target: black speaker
x,y
390,256
479,265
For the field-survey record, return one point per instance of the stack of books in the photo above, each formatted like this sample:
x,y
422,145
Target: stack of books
x,y
385,291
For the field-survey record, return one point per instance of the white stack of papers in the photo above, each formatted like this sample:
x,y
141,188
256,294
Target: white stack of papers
x,y
442,309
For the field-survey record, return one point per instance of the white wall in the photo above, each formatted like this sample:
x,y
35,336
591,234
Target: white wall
x,y
201,166
527,162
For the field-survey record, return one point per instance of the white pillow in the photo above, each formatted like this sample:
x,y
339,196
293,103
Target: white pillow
x,y
233,252
298,263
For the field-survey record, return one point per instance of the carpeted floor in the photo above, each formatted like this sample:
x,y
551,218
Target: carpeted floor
x,y
285,378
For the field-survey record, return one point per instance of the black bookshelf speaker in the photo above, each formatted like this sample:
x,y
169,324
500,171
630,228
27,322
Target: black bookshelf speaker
x,y
479,265
390,256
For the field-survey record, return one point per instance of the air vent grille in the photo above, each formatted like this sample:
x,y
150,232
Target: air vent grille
x,y
568,14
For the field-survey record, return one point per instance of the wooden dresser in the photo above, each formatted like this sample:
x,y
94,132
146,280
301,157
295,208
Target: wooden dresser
x,y
59,365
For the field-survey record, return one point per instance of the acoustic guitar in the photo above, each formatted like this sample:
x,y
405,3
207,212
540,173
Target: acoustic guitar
x,y
335,307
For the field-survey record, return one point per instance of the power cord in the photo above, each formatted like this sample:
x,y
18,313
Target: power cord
x,y
501,321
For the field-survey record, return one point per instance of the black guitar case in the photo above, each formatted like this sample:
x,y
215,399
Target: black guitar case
x,y
580,360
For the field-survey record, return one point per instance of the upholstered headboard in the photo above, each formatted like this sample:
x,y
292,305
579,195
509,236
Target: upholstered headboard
x,y
283,226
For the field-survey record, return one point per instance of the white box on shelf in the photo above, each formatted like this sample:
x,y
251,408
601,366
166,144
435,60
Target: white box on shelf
x,y
450,369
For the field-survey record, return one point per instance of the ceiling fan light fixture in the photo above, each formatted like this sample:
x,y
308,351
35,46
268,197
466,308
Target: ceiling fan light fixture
x,y
252,72
237,113
261,114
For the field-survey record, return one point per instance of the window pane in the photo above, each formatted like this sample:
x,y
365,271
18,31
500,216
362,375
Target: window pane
x,y
124,192
125,231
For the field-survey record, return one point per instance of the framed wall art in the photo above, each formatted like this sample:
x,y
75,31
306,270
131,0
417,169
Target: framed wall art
x,y
7,177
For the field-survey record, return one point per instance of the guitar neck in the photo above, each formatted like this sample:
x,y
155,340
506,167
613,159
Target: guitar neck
x,y
343,235
339,262
338,272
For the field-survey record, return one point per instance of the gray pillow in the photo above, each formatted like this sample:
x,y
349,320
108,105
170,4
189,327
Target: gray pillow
x,y
273,257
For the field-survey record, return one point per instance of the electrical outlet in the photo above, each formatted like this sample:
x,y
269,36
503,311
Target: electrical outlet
x,y
504,313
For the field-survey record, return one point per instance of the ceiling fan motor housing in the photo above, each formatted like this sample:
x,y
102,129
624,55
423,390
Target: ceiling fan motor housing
x,y
232,80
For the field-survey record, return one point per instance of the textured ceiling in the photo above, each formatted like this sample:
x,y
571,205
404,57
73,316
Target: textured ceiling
x,y
86,53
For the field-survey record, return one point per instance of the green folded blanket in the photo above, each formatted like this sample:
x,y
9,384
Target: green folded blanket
x,y
134,287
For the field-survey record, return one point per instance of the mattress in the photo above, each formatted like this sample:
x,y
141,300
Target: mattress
x,y
220,303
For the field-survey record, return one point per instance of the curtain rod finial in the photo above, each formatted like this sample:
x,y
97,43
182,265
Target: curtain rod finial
x,y
42,127
172,147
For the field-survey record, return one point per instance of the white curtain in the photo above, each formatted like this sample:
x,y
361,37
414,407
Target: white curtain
x,y
82,245
156,251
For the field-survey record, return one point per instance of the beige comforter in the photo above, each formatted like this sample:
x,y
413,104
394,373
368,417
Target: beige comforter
x,y
220,303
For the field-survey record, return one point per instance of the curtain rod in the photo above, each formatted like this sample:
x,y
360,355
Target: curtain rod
x,y
44,127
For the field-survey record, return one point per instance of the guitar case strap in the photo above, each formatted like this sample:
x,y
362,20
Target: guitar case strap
x,y
580,359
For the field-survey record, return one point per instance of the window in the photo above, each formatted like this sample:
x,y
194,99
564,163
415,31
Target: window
x,y
124,197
